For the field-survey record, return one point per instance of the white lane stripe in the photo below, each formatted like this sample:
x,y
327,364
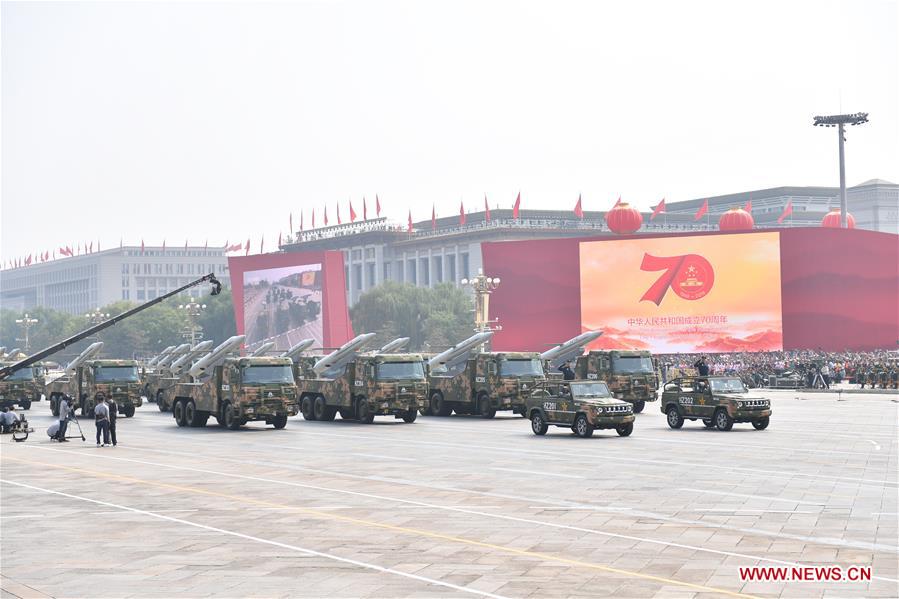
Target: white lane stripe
x,y
745,496
586,454
725,511
538,473
491,515
239,535
382,457
27,516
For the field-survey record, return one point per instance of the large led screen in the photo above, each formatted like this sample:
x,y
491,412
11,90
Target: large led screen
x,y
706,293
283,306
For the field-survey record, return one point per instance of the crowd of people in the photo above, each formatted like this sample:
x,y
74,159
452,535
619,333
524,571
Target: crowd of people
x,y
105,414
813,368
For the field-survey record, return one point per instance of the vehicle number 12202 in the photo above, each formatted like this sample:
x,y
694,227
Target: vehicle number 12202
x,y
686,400
549,405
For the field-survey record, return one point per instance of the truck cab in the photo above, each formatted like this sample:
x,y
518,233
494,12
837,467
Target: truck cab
x,y
630,375
22,387
116,379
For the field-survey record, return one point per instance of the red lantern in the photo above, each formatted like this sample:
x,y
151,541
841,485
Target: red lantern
x,y
624,219
832,219
736,219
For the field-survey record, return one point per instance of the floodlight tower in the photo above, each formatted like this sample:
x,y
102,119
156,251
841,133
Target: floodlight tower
x,y
840,121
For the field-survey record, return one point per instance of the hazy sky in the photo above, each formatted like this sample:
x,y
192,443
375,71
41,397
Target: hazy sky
x,y
173,121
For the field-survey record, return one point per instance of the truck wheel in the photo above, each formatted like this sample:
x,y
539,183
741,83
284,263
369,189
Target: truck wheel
x,y
160,401
306,407
582,428
129,411
329,414
675,420
426,410
708,423
439,406
625,429
760,424
410,416
194,417
25,404
484,408
232,422
722,421
639,405
178,413
54,405
366,415
538,423
319,408
280,421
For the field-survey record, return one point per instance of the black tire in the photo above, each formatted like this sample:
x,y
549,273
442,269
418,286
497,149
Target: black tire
x,y
538,423
439,406
178,413
675,420
639,405
194,417
582,427
760,424
54,404
708,422
229,418
25,404
307,407
485,410
319,407
364,411
410,416
160,401
329,414
723,422
129,411
280,421
625,430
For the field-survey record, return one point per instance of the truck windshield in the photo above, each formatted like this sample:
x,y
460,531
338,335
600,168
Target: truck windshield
x,y
262,374
727,386
116,373
524,367
598,389
401,370
632,364
25,374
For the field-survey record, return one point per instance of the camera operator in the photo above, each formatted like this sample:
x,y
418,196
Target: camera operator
x,y
63,419
7,420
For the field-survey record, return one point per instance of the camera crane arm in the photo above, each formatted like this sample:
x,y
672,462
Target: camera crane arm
x,y
9,370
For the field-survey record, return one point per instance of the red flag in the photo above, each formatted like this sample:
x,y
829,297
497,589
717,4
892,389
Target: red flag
x,y
703,210
338,214
248,247
486,209
788,210
618,203
291,222
748,207
326,216
378,206
70,251
517,205
28,260
364,209
62,251
409,226
227,245
433,218
91,251
462,214
279,238
352,213
658,209
578,209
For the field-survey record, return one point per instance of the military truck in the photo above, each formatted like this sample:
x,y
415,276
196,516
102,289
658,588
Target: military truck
x,y
582,406
236,390
482,382
719,401
172,370
22,388
629,374
363,385
84,377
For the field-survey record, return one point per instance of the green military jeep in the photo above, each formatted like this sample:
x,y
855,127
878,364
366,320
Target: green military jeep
x,y
719,401
582,406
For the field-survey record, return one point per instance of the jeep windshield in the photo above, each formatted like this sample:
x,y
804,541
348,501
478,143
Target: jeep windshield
x,y
265,374
25,374
727,386
632,365
391,371
105,374
521,367
589,390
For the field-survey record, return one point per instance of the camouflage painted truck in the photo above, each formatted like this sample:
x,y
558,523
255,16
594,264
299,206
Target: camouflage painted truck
x,y
236,390
85,376
22,388
630,375
481,383
171,370
361,386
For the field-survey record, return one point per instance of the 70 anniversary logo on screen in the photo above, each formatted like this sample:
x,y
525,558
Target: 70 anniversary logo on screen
x,y
690,276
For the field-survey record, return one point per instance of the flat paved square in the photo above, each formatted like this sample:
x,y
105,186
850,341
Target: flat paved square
x,y
455,507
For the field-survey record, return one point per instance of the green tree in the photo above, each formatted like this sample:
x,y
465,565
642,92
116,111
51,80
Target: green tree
x,y
433,319
217,319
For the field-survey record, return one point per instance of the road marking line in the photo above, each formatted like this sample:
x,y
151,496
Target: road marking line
x,y
382,457
547,508
462,510
726,511
553,474
371,523
875,444
27,516
726,494
232,533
